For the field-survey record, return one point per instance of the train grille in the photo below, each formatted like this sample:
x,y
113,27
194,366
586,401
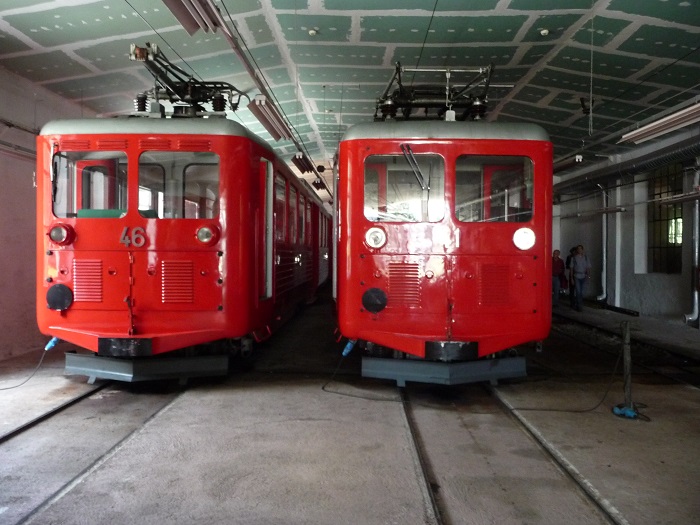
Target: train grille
x,y
87,280
493,285
119,145
404,284
177,282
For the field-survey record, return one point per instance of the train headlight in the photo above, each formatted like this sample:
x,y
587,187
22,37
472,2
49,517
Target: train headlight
x,y
61,234
375,237
524,238
208,234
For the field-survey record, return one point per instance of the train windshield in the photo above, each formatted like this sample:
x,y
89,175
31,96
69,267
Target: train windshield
x,y
179,185
404,188
89,184
493,188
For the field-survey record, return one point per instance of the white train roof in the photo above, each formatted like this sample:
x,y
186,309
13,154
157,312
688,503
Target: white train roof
x,y
437,129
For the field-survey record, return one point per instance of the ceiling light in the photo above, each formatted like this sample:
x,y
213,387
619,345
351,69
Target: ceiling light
x,y
672,122
270,118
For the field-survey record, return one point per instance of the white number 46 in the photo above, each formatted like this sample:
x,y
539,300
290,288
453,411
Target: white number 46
x,y
137,238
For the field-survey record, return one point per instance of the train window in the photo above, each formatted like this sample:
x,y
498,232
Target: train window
x,y
292,214
302,214
493,188
280,208
404,188
89,184
179,185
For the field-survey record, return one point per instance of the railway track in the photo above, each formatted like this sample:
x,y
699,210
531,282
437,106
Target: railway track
x,y
43,459
24,427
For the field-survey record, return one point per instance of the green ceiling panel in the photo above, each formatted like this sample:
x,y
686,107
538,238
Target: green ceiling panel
x,y
336,54
241,6
442,5
345,92
330,28
606,64
216,67
265,57
681,76
604,30
532,94
338,75
687,12
534,54
40,68
443,30
260,30
550,78
62,25
290,4
664,42
11,44
534,113
557,25
349,120
460,57
278,76
549,5
11,5
96,86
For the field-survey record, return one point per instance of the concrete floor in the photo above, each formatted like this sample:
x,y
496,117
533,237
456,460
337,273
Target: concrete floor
x,y
272,447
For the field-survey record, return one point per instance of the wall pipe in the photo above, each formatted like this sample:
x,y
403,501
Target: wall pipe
x,y
604,264
692,317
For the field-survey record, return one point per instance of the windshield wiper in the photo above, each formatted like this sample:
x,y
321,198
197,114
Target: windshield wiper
x,y
408,153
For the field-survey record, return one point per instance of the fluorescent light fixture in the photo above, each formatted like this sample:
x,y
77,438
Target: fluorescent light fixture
x,y
194,14
567,163
674,121
270,118
302,162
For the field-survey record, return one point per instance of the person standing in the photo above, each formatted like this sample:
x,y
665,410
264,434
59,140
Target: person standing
x,y
570,275
581,269
558,272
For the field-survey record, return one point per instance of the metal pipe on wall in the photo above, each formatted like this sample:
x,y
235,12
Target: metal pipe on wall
x,y
692,317
604,253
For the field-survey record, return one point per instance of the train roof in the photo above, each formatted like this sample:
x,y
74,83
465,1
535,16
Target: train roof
x,y
159,126
439,129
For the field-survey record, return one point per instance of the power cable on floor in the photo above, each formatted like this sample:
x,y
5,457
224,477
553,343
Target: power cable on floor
x,y
48,347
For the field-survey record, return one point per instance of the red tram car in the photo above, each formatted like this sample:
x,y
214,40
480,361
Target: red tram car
x,y
443,240
157,234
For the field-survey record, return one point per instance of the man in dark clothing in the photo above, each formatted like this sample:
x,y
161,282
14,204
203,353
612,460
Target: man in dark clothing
x,y
570,274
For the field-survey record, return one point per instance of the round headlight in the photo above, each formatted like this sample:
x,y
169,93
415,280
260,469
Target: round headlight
x,y
375,237
61,234
524,238
207,235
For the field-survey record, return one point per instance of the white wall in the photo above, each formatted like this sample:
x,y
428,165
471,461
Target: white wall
x,y
628,285
28,106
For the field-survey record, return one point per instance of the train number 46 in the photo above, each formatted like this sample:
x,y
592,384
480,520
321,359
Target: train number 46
x,y
137,237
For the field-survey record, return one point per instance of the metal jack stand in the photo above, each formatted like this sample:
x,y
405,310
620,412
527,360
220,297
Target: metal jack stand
x,y
628,409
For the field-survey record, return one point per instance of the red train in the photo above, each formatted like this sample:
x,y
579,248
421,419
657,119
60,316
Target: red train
x,y
443,241
157,234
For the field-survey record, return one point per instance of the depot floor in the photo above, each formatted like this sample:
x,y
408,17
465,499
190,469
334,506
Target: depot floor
x,y
278,419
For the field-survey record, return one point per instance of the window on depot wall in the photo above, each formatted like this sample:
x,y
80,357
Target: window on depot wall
x,y
665,227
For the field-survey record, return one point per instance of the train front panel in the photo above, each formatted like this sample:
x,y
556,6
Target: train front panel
x,y
144,238
443,237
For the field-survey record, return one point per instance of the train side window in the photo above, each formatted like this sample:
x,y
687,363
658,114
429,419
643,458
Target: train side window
x,y
292,214
280,208
179,185
396,190
493,188
89,184
300,220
